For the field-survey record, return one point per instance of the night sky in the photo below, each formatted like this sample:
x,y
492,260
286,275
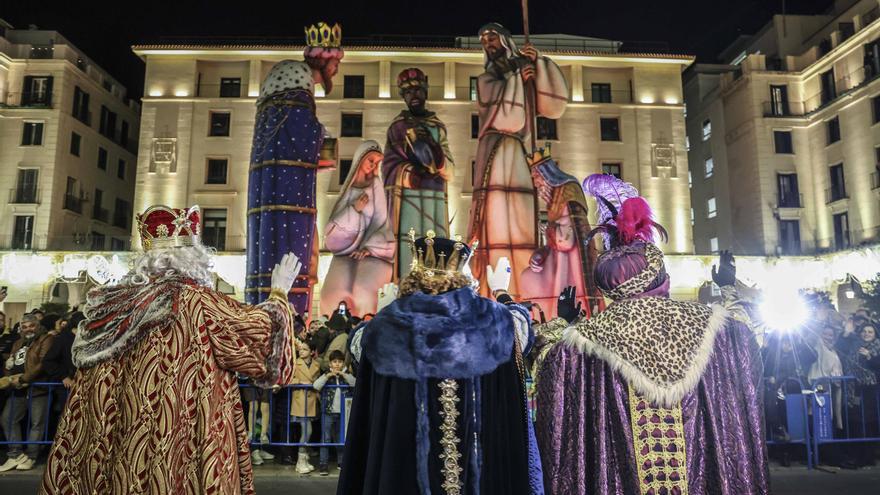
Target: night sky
x,y
105,31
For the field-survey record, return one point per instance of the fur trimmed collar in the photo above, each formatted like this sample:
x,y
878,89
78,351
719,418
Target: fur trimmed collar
x,y
660,346
453,335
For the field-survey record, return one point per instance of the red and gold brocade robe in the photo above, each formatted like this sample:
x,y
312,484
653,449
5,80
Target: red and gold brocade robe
x,y
165,416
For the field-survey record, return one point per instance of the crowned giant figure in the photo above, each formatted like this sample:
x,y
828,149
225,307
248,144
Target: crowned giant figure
x,y
503,188
155,405
651,396
284,160
416,168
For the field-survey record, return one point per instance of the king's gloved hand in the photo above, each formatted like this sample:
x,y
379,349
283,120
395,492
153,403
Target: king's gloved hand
x,y
285,272
568,307
724,274
387,295
499,277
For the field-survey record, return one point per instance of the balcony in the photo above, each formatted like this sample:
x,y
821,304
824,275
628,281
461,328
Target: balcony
x,y
101,214
73,203
28,100
834,194
843,86
24,196
790,201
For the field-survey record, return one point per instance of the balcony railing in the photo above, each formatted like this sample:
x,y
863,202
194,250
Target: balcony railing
x,y
24,196
100,214
790,201
73,203
855,80
833,194
28,100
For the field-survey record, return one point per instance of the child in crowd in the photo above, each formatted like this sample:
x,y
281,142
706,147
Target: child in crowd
x,y
304,403
331,406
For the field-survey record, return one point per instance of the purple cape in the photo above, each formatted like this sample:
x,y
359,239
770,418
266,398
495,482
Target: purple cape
x,y
585,430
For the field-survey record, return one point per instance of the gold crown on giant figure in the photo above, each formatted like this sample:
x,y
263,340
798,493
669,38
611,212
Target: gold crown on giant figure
x,y
323,35
166,227
438,254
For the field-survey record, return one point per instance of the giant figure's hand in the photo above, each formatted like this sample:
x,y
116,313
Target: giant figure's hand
x,y
387,295
285,272
568,307
499,277
724,274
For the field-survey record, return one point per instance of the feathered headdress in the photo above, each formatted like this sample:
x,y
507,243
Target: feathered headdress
x,y
624,216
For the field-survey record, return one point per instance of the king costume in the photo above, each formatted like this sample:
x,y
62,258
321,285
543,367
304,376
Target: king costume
x,y
155,405
651,396
440,406
282,178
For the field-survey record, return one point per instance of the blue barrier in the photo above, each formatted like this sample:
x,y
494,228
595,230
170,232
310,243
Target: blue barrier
x,y
796,415
26,436
841,400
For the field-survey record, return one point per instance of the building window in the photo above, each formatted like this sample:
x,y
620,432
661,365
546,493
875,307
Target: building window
x,y
98,211
601,92
547,129
713,245
847,29
102,158
833,127
117,244
779,100
120,169
829,91
353,87
107,125
610,128
782,142
219,124
875,106
687,143
841,231
693,218
872,60
32,134
790,237
707,129
98,241
690,179
352,125
710,167
81,106
121,214
475,126
216,171
72,196
344,169
75,141
23,232
230,87
711,208
37,91
473,89
26,186
214,230
838,183
123,134
787,191
614,169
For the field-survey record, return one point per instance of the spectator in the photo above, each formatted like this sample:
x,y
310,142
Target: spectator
x,y
304,404
827,361
340,328
25,367
859,350
331,406
258,402
8,336
324,336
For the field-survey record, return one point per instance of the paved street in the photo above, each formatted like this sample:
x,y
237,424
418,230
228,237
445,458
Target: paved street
x,y
276,479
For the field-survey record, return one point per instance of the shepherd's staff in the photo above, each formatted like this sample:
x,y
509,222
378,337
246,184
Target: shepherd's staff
x,y
531,90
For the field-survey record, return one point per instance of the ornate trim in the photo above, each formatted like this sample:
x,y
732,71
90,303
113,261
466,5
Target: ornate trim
x,y
658,438
283,163
449,441
293,208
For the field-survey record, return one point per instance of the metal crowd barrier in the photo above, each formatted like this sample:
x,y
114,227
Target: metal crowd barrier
x,y
286,394
796,415
25,424
844,412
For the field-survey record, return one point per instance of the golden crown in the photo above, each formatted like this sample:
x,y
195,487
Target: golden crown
x,y
323,35
448,259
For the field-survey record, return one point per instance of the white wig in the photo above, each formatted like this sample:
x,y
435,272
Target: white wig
x,y
193,262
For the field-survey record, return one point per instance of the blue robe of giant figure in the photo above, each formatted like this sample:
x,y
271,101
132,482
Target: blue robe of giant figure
x,y
281,181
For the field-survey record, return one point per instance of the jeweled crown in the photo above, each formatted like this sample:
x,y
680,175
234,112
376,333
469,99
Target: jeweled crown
x,y
162,227
323,35
438,254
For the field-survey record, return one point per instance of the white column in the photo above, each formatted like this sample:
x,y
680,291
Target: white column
x,y
254,78
577,82
384,79
449,80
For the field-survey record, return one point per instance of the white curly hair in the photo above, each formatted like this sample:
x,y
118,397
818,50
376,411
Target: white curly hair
x,y
193,262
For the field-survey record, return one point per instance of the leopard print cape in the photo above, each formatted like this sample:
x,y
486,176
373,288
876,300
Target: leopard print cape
x,y
660,346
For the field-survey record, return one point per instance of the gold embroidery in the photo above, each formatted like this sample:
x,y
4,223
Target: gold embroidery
x,y
449,441
658,438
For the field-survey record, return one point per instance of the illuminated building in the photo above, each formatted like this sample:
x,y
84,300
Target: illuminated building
x,y
784,146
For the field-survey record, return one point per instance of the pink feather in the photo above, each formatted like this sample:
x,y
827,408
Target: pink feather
x,y
635,221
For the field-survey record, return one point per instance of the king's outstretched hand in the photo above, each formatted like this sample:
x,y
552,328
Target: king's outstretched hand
x,y
499,277
387,295
285,272
568,307
724,274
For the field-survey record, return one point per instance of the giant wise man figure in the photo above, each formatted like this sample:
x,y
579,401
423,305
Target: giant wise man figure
x,y
416,168
503,188
284,160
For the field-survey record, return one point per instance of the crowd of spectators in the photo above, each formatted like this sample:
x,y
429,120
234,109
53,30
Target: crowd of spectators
x,y
812,357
